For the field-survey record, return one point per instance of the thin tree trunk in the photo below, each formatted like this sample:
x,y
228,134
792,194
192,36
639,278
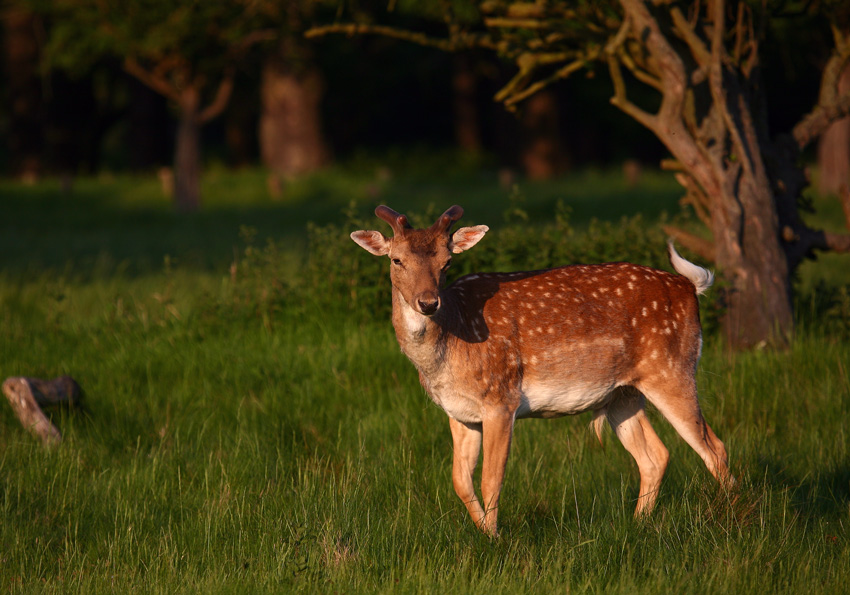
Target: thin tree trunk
x,y
834,149
187,157
542,155
467,129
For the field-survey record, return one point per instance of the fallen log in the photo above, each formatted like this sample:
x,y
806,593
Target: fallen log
x,y
28,395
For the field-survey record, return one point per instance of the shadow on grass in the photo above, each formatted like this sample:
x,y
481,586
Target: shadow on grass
x,y
819,493
127,225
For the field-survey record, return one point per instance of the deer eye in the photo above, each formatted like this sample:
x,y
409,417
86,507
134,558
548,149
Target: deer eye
x,y
397,261
447,265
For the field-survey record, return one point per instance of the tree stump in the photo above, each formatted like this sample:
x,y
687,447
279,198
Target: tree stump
x,y
28,395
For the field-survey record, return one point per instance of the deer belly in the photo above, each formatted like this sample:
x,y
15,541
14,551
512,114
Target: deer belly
x,y
554,400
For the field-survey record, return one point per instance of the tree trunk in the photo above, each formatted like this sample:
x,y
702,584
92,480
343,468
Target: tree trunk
x,y
758,295
187,155
290,131
542,155
21,57
834,149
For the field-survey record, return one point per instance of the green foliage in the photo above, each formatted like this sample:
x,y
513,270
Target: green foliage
x,y
201,35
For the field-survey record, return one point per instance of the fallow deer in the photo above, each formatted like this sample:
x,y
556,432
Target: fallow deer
x,y
495,347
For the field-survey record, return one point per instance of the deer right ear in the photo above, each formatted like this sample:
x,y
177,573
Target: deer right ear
x,y
372,241
466,237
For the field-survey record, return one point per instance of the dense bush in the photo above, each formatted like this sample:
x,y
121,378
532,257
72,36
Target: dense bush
x,y
336,275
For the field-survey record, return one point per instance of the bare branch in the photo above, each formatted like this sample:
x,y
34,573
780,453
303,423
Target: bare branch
x,y
510,23
511,95
459,41
831,105
695,197
686,30
156,82
621,101
221,99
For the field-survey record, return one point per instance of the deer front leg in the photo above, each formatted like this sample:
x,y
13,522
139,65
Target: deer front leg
x,y
498,431
467,444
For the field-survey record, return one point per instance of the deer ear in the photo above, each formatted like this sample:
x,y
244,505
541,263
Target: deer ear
x,y
466,237
372,241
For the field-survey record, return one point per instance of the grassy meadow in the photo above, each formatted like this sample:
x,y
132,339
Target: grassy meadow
x,y
250,424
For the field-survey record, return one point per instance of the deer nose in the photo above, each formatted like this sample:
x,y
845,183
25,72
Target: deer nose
x,y
428,306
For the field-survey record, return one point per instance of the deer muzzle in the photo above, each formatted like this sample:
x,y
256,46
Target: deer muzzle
x,y
428,303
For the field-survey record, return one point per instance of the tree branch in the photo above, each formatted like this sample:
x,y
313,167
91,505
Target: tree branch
x,y
156,82
621,100
221,99
459,41
831,105
687,33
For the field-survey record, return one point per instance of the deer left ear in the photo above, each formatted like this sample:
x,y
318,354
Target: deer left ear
x,y
373,241
466,237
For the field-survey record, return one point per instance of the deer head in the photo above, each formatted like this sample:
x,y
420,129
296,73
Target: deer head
x,y
420,257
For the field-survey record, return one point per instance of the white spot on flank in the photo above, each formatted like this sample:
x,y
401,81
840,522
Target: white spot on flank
x,y
644,311
634,321
619,291
630,285
654,305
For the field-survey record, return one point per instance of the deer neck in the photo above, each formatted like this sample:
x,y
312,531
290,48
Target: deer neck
x,y
420,337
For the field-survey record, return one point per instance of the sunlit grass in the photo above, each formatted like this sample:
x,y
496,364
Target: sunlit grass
x,y
234,443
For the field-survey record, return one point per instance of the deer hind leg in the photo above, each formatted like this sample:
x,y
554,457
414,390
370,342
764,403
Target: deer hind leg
x,y
676,399
628,419
467,445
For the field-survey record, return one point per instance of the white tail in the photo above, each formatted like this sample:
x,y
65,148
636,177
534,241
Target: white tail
x,y
495,347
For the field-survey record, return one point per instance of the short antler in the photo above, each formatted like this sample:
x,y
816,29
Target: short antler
x,y
396,220
445,221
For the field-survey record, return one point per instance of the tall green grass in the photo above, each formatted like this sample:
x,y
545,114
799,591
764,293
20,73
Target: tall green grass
x,y
251,426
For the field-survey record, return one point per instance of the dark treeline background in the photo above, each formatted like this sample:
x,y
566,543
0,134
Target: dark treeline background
x,y
377,94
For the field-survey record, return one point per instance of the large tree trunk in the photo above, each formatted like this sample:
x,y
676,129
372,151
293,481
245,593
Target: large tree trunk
x,y
748,252
290,130
187,153
20,52
734,196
